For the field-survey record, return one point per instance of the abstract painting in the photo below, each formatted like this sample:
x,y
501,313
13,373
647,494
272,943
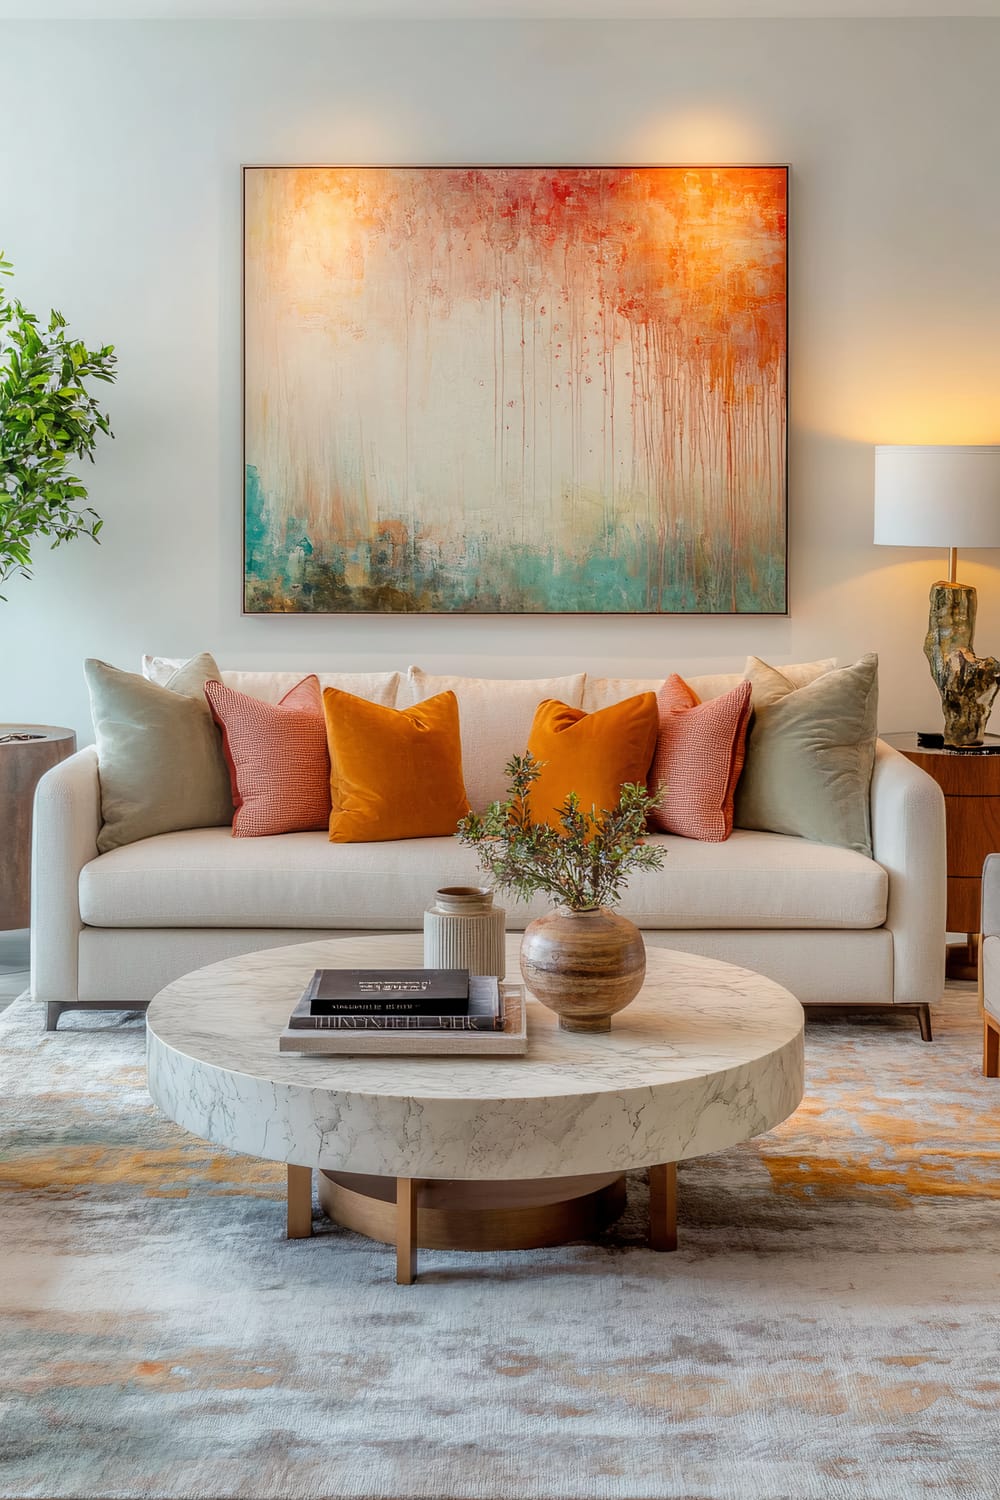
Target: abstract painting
x,y
515,390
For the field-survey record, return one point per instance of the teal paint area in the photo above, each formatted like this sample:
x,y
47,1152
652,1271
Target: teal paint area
x,y
622,570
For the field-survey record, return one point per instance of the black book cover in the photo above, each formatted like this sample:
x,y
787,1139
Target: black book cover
x,y
401,992
483,1012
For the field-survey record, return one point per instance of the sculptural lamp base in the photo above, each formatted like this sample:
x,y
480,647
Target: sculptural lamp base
x,y
967,683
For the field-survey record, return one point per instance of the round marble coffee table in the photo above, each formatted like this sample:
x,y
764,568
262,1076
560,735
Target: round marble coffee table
x,y
470,1152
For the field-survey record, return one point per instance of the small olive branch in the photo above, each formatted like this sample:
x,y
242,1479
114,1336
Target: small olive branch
x,y
583,864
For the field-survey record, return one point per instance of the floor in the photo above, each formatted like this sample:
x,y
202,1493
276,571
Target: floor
x,y
14,974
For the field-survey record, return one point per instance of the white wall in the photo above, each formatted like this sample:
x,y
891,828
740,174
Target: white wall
x,y
120,148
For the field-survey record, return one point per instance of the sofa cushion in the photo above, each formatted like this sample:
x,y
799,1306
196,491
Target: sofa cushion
x,y
589,755
377,687
206,878
598,692
495,714
698,760
161,760
277,757
394,773
810,753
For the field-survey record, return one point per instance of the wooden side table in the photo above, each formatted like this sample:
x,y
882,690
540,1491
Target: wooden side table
x,y
970,781
27,751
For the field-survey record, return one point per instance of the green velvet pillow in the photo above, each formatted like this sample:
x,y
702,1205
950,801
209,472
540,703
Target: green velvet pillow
x,y
810,753
159,752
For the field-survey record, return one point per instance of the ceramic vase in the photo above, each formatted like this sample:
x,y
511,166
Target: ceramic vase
x,y
584,965
464,930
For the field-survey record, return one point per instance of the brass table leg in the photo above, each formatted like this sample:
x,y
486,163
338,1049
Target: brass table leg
x,y
300,1202
663,1206
406,1230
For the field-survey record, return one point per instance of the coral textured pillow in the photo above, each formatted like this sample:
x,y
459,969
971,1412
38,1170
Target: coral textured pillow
x,y
277,758
590,754
394,773
698,760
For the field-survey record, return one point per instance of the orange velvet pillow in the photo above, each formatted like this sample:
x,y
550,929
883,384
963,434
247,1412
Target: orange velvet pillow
x,y
277,758
394,773
590,754
699,757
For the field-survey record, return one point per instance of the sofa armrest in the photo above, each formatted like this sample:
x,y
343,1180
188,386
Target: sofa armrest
x,y
990,918
908,841
67,822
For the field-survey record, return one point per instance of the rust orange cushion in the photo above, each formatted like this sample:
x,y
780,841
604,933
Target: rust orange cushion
x,y
277,758
590,754
698,760
394,773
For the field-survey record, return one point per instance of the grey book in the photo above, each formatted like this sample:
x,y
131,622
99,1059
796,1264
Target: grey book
x,y
403,992
484,1013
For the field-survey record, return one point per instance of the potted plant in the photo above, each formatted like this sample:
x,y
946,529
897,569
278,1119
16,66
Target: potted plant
x,y
582,960
48,419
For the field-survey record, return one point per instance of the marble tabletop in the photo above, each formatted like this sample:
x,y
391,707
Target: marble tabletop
x,y
709,1054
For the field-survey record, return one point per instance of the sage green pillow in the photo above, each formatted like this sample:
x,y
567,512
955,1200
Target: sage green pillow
x,y
810,753
159,753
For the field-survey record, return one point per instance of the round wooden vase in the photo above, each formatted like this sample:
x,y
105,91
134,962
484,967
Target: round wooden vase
x,y
584,965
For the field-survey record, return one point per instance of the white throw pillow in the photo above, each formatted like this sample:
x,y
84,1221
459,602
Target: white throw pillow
x,y
495,716
271,687
601,692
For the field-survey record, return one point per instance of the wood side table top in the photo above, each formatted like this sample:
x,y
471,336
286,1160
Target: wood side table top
x,y
959,773
37,732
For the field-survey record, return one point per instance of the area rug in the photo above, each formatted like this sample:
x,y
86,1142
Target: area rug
x,y
827,1331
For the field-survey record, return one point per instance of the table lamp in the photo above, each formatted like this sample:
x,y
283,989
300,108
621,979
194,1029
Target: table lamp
x,y
948,497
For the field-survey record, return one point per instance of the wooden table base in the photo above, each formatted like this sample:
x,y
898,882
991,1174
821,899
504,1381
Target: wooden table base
x,y
437,1215
962,959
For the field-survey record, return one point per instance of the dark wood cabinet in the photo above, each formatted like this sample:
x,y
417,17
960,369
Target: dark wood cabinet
x,y
970,781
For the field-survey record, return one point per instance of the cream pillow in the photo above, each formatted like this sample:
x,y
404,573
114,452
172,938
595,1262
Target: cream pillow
x,y
271,687
495,717
601,692
810,753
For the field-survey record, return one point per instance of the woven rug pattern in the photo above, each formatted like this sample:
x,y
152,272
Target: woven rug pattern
x,y
827,1331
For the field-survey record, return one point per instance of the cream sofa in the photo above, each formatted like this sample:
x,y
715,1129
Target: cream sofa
x,y
837,928
989,966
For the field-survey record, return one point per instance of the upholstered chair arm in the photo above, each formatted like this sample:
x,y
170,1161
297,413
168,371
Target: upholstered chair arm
x,y
908,841
67,822
991,897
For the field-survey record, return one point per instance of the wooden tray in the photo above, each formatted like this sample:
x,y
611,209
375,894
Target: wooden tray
x,y
511,1042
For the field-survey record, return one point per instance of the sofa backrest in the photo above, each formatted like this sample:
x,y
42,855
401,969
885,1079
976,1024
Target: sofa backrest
x,y
495,713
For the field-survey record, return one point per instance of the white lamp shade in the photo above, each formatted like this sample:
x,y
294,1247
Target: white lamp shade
x,y
937,496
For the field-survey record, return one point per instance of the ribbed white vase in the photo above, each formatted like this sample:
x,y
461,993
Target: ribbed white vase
x,y
464,930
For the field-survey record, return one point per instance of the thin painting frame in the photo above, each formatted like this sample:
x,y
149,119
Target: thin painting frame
x,y
515,390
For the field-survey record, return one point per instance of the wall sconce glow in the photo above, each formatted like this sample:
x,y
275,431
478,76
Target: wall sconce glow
x,y
700,135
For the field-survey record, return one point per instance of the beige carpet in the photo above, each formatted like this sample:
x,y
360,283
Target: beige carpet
x,y
830,1329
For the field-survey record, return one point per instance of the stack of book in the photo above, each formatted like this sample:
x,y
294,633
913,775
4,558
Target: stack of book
x,y
404,1011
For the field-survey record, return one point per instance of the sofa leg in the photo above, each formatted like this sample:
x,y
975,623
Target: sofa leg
x,y
55,1008
991,1047
924,1017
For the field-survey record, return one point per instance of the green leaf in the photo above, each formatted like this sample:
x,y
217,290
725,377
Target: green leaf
x,y
48,420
